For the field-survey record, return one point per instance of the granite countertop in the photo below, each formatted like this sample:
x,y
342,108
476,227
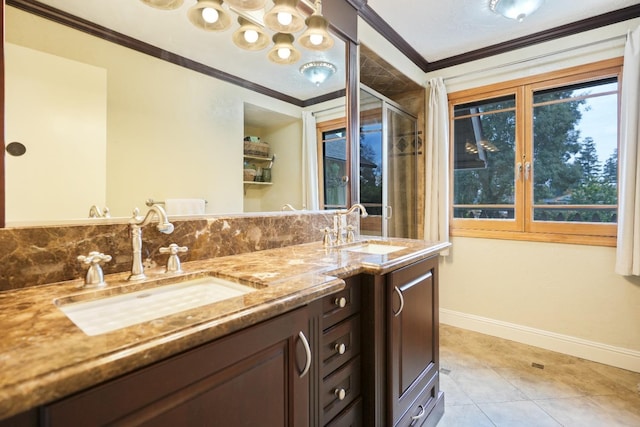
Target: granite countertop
x,y
44,356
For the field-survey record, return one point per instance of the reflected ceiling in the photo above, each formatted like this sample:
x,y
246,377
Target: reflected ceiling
x,y
171,30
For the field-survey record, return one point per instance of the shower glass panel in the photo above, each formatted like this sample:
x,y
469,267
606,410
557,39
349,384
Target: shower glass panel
x,y
388,167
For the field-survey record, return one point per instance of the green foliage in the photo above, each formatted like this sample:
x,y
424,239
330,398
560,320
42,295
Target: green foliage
x,y
566,168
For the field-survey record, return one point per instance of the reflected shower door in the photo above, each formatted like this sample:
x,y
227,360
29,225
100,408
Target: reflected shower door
x,y
388,167
402,165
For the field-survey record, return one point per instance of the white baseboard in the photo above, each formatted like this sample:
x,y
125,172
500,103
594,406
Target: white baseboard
x,y
590,350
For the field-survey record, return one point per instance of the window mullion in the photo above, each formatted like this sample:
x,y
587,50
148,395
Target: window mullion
x,y
527,158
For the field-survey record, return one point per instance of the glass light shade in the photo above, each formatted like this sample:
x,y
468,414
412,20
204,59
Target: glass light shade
x,y
164,4
282,43
247,32
318,71
515,9
210,15
196,15
275,18
246,4
316,36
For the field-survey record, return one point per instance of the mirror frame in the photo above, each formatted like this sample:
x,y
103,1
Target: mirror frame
x,y
341,14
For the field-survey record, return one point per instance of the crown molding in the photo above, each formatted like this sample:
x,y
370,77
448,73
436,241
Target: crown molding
x,y
605,19
382,27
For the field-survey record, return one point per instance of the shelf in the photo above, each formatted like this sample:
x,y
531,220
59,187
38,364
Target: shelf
x,y
261,158
257,183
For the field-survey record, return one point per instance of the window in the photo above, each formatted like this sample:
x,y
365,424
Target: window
x,y
333,166
536,158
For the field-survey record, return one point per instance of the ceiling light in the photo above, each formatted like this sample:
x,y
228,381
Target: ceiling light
x,y
316,36
515,9
250,36
318,71
283,51
284,17
209,15
164,4
246,4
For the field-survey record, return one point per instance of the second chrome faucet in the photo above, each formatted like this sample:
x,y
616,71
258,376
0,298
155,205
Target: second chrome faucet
x,y
337,235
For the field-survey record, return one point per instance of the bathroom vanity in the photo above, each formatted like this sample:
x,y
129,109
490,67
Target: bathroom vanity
x,y
341,336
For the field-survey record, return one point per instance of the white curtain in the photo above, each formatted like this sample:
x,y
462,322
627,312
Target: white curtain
x,y
309,162
436,215
628,249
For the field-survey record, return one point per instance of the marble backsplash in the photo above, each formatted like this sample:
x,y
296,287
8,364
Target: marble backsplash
x,y
31,256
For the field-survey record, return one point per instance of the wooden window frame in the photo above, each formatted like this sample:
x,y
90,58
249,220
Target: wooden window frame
x,y
523,227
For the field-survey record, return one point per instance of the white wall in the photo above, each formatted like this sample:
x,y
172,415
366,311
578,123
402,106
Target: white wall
x,y
562,297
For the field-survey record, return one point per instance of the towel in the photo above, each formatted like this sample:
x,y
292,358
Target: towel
x,y
184,206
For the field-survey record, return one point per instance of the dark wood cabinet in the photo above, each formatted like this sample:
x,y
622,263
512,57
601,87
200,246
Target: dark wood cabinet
x,y
412,297
257,376
338,383
400,347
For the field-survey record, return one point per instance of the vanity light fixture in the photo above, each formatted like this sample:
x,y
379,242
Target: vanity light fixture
x,y
515,9
284,17
316,36
246,4
164,4
283,51
318,71
209,15
250,36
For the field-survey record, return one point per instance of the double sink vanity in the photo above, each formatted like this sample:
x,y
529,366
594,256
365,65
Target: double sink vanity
x,y
305,334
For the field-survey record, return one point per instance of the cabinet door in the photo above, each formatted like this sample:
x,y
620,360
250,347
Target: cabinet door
x,y
257,376
413,345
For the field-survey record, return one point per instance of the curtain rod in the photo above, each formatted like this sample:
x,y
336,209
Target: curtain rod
x,y
544,55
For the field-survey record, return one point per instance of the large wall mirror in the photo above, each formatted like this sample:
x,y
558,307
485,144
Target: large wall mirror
x,y
98,123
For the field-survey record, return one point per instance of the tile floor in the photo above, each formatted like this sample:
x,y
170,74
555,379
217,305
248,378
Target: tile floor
x,y
490,381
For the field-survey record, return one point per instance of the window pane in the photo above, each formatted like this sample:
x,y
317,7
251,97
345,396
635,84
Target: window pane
x,y
334,165
484,160
575,153
485,106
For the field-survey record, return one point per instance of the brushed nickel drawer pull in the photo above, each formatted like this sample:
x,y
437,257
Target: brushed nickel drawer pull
x,y
340,393
340,348
420,415
399,292
307,351
340,302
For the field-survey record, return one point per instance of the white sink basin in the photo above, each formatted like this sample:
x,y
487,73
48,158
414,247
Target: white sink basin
x,y
374,248
108,314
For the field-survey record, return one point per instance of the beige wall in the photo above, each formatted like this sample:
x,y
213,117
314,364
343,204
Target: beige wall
x,y
56,108
563,297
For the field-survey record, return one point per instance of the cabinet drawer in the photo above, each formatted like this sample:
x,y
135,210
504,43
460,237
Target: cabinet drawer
x,y
350,417
339,344
339,389
339,306
420,410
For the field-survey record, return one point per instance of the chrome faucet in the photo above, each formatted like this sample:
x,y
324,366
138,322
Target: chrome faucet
x,y
135,224
339,224
96,212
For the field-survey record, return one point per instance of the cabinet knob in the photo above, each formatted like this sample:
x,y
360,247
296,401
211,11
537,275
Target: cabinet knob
x,y
340,393
340,302
340,348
